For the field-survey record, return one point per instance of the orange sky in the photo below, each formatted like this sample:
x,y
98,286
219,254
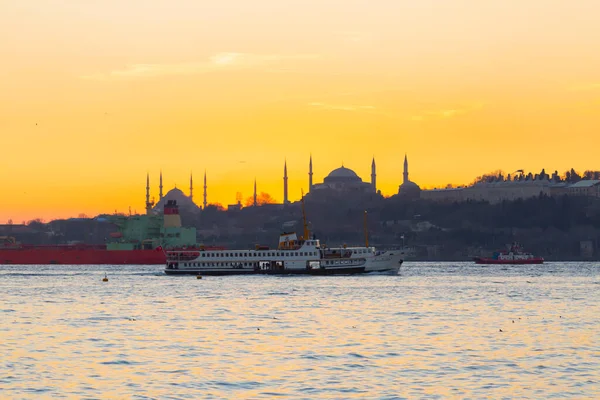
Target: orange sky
x,y
118,89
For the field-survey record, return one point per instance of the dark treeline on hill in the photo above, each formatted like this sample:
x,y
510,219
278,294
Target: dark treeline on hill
x,y
557,228
570,176
553,227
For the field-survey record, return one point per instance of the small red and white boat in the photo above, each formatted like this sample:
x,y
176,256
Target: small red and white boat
x,y
514,255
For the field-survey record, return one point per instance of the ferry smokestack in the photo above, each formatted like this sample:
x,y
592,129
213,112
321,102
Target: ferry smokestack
x,y
172,219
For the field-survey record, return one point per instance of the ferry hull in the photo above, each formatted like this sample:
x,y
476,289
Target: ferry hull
x,y
248,271
388,263
93,255
483,260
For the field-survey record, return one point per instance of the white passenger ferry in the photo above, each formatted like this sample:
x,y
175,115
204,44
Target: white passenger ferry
x,y
293,255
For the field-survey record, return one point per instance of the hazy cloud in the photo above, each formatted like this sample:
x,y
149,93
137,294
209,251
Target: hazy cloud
x,y
217,62
341,107
584,87
353,36
445,113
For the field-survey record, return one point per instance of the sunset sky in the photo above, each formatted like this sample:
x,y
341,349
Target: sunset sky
x,y
96,93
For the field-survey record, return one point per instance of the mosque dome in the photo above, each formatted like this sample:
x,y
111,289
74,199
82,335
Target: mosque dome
x,y
409,189
181,198
342,174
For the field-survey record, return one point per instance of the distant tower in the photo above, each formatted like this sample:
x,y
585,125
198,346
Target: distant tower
x,y
254,192
160,187
204,189
405,169
191,188
310,175
373,176
147,189
285,183
148,203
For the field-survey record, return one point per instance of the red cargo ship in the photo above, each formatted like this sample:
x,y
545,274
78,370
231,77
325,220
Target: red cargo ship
x,y
76,254
140,240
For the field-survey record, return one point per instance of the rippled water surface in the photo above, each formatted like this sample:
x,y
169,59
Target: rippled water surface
x,y
437,330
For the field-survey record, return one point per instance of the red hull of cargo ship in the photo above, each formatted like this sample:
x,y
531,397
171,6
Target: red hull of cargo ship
x,y
79,255
483,260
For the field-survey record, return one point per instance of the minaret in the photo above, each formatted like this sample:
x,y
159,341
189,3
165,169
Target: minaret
x,y
310,175
405,169
254,192
204,189
285,183
160,187
191,188
373,176
147,188
148,204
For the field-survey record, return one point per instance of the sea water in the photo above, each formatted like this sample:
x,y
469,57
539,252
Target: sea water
x,y
437,330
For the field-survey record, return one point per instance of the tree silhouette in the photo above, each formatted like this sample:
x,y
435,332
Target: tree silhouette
x,y
261,199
